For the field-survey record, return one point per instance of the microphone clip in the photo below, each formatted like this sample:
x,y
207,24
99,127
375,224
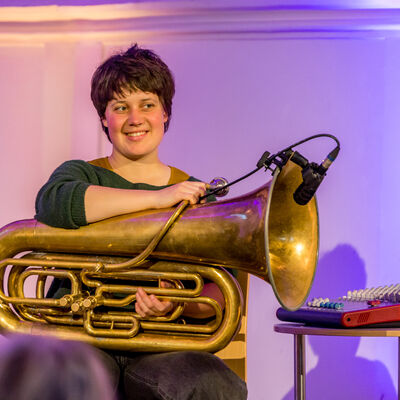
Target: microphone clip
x,y
280,159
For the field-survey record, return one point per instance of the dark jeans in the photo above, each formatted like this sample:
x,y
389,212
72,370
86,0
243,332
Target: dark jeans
x,y
179,375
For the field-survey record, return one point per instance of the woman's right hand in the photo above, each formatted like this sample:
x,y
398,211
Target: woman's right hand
x,y
187,190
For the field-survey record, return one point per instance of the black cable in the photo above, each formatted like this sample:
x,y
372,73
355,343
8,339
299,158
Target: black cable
x,y
267,160
310,138
230,183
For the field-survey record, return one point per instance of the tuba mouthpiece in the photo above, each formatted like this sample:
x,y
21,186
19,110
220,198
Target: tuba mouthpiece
x,y
219,183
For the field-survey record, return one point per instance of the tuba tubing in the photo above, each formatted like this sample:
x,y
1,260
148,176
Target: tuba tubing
x,y
264,233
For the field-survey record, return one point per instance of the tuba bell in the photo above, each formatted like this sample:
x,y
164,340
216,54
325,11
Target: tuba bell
x,y
264,233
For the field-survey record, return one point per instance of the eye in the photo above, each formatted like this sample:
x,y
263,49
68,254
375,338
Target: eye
x,y
148,106
120,108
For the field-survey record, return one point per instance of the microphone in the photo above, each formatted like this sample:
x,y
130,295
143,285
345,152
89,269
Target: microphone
x,y
313,174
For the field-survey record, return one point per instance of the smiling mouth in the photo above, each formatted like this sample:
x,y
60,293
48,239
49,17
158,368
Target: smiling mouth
x,y
136,134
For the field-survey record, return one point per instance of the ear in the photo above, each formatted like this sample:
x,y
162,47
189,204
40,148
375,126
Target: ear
x,y
104,121
165,116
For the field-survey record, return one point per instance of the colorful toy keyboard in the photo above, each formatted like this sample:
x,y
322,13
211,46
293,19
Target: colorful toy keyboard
x,y
378,306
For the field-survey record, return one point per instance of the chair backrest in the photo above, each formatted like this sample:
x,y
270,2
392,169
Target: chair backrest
x,y
234,355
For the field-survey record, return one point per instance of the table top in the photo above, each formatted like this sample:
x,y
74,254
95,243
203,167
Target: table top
x,y
300,329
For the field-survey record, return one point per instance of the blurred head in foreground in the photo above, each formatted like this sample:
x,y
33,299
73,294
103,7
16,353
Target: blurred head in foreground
x,y
45,368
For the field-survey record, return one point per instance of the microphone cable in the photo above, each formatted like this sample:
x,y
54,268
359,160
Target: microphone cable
x,y
266,160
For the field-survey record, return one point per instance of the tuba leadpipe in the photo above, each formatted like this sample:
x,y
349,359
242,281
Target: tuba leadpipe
x,y
264,233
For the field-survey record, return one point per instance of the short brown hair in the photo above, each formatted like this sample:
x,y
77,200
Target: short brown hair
x,y
135,69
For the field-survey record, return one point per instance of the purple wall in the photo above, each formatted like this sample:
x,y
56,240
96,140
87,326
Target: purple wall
x,y
239,94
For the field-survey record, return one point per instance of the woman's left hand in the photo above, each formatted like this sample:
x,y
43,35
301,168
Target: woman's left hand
x,y
150,306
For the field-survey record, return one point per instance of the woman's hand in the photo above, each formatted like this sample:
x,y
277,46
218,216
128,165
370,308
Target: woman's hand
x,y
190,191
150,306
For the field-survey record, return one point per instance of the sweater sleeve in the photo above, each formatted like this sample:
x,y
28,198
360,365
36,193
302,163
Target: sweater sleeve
x,y
60,202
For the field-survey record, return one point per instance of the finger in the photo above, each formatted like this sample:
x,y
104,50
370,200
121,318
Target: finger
x,y
193,199
139,310
197,194
151,305
201,190
160,307
146,302
191,191
195,186
147,311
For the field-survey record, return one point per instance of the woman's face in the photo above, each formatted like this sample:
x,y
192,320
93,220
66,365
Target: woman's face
x,y
135,123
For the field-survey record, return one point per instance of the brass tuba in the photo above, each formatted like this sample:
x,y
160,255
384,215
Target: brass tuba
x,y
264,233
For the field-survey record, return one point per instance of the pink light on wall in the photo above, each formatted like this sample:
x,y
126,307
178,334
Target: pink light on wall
x,y
263,4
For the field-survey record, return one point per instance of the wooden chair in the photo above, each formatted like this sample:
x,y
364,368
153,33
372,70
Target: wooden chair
x,y
234,355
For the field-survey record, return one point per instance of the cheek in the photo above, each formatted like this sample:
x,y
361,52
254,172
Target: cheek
x,y
159,119
113,122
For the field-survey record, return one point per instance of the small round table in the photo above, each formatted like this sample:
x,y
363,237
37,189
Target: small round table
x,y
300,330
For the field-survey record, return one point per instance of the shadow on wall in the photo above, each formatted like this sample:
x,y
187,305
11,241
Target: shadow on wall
x,y
340,373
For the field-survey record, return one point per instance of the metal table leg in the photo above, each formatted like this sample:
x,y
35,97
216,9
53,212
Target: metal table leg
x,y
300,367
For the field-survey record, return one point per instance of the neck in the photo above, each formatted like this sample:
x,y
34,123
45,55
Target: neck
x,y
143,170
120,160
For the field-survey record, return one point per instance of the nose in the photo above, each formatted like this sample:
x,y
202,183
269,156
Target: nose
x,y
135,117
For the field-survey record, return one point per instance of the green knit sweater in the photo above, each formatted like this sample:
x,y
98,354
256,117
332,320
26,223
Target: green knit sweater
x,y
60,202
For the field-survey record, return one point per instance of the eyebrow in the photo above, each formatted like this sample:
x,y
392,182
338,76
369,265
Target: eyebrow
x,y
114,100
148,99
